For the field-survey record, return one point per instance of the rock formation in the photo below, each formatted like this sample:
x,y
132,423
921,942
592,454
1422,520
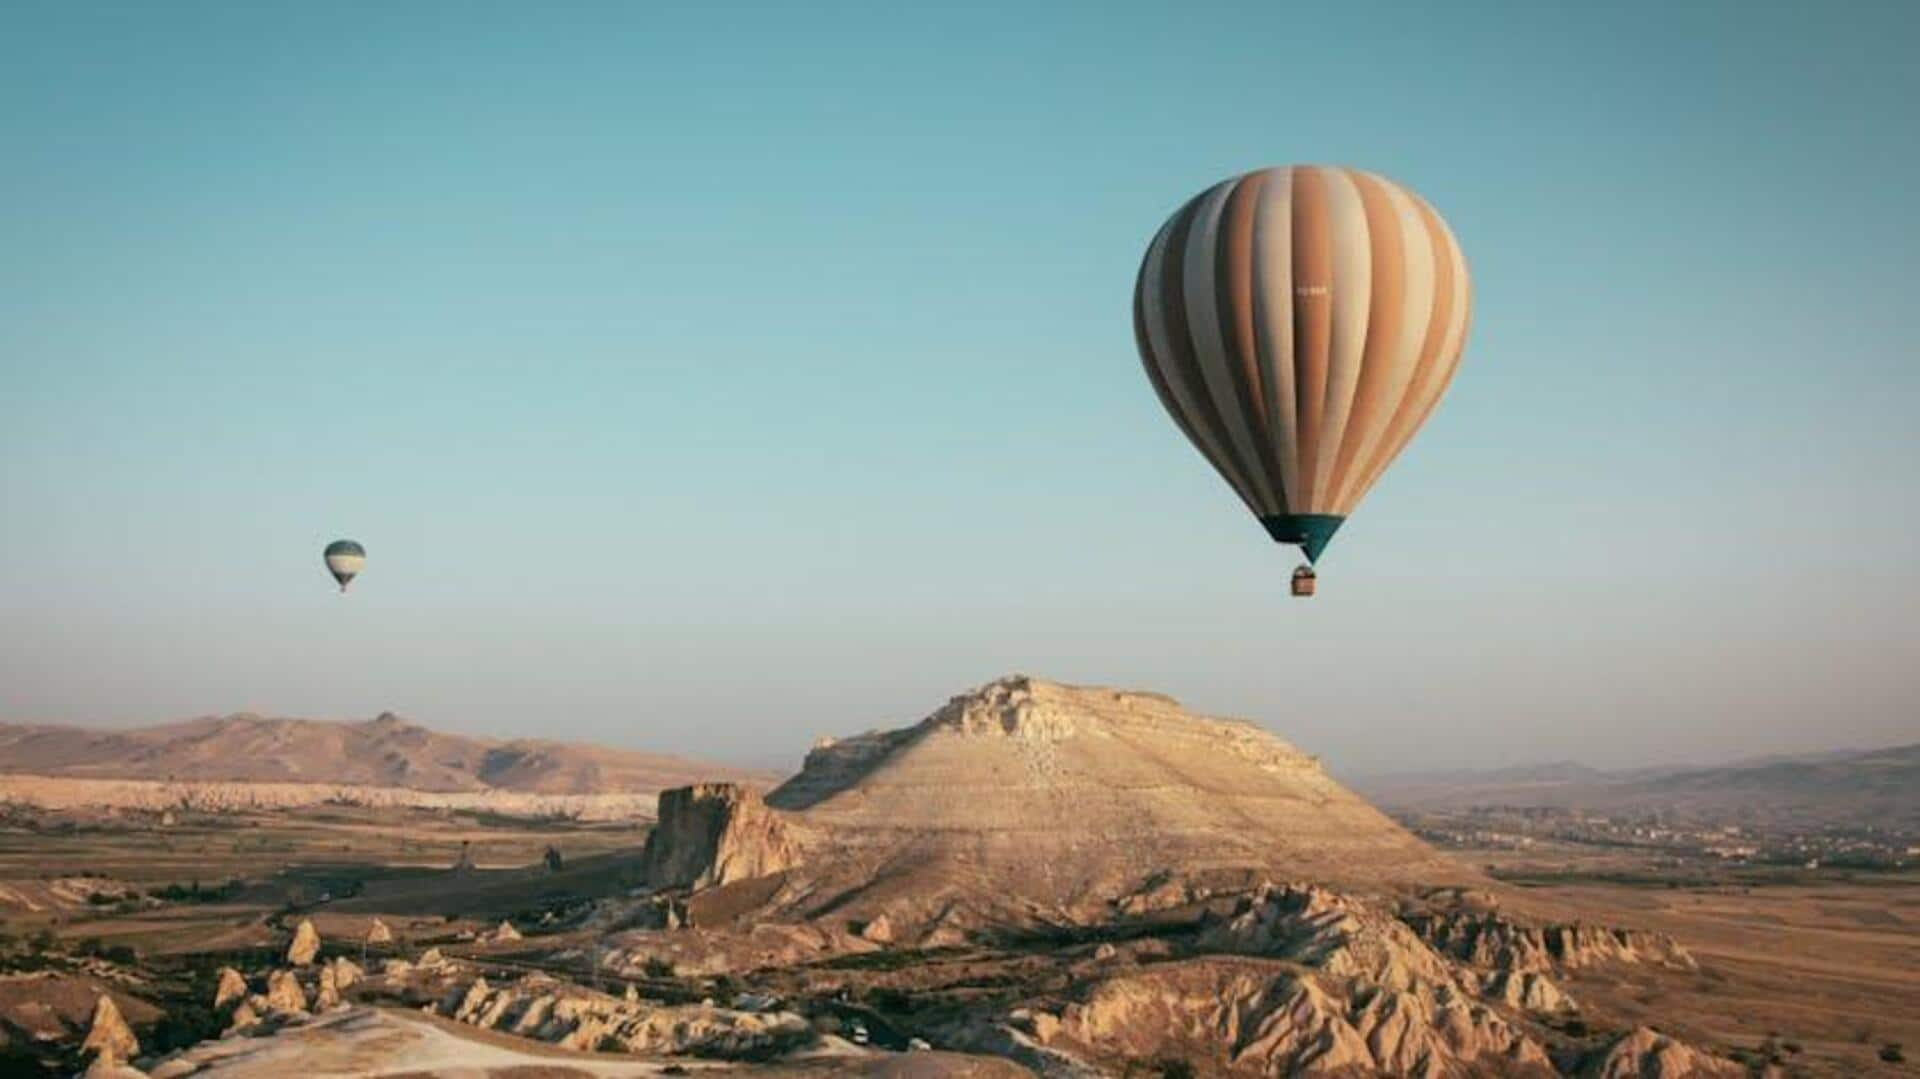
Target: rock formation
x,y
333,979
1029,801
716,833
108,1035
379,933
504,932
1646,1053
284,994
230,989
1293,979
1488,940
1529,992
306,944
539,1007
245,1016
345,972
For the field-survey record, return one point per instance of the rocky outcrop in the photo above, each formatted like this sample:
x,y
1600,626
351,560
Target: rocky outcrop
x,y
245,1016
1320,928
1297,979
1493,942
231,988
345,972
1262,1018
880,930
1025,803
574,1018
504,933
335,978
306,944
378,933
1646,1053
284,994
1528,992
716,833
108,1035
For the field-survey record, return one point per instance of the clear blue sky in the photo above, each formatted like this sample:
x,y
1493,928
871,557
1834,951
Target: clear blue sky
x,y
711,379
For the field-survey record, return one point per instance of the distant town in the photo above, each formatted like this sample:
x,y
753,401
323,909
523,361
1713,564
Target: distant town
x,y
1665,840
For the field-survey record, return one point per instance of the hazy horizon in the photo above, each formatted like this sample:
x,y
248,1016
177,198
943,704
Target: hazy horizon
x,y
778,760
706,382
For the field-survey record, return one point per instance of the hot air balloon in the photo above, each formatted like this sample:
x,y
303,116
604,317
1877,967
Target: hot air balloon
x,y
1299,324
345,559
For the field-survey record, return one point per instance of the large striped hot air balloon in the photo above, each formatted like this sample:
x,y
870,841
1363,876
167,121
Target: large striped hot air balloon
x,y
1300,323
344,559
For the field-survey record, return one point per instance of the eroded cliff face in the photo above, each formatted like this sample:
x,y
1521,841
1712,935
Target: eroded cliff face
x,y
1495,943
716,833
539,1007
1296,979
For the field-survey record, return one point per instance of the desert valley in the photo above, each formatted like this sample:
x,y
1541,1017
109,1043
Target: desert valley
x,y
1034,879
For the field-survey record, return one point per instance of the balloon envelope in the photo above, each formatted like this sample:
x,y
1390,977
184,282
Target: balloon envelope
x,y
1300,323
344,559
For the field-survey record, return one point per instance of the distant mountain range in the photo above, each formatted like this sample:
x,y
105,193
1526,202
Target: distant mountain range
x,y
384,752
1853,786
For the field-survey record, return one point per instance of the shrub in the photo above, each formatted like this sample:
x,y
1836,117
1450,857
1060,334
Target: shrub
x,y
1892,1054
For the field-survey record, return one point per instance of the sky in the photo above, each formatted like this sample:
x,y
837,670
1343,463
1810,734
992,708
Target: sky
x,y
708,378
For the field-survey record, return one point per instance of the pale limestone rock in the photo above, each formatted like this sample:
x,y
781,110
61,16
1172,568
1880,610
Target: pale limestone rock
x,y
232,987
108,1033
715,833
327,995
574,1018
1267,1020
1528,991
505,932
345,973
379,933
1493,942
284,994
306,944
245,1016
